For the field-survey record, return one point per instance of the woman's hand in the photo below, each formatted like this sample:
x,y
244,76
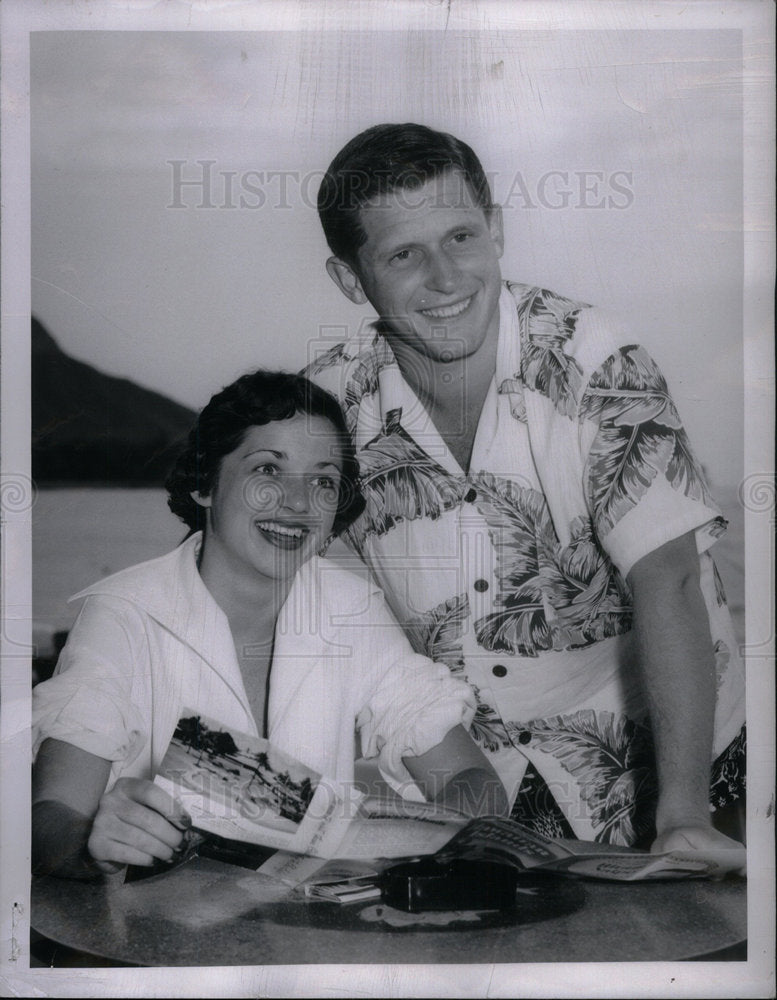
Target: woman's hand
x,y
456,774
137,823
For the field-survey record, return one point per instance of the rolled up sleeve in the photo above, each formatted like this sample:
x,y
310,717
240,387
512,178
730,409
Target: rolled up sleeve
x,y
645,486
409,702
89,702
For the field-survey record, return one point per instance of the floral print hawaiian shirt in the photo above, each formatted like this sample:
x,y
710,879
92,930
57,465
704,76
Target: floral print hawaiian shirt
x,y
514,572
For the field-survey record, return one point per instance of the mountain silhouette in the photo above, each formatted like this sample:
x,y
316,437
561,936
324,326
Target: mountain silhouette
x,y
88,427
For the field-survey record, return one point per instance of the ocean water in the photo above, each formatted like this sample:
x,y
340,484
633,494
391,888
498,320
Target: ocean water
x,y
81,535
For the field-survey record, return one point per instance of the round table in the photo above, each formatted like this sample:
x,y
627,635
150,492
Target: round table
x,y
209,913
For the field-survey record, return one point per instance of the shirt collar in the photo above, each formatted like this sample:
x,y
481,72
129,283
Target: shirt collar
x,y
170,590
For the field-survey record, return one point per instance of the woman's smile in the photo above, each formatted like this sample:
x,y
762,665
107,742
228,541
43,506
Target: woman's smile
x,y
284,536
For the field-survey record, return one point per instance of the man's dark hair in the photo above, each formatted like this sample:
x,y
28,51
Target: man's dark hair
x,y
380,160
256,399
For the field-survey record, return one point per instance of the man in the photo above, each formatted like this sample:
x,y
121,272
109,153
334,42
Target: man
x,y
534,513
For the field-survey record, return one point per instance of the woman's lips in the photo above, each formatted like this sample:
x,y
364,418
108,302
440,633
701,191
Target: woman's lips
x,y
283,536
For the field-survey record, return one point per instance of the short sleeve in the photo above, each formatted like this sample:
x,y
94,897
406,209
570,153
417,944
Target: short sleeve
x,y
409,703
644,485
89,700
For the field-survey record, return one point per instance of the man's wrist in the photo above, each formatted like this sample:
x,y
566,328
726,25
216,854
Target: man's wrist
x,y
672,816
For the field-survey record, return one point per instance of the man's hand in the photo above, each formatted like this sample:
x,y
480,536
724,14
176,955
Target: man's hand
x,y
137,823
698,838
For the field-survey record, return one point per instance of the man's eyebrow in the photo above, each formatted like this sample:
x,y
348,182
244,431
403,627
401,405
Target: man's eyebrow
x,y
396,246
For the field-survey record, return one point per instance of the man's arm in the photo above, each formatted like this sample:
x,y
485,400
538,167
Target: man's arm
x,y
677,665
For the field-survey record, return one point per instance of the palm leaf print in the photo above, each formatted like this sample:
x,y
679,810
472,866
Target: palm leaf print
x,y
684,472
363,378
515,517
437,633
613,764
548,370
639,436
549,320
720,590
326,360
487,728
550,597
722,659
400,482
591,599
513,387
728,780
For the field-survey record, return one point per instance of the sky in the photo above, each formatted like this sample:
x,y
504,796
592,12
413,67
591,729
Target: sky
x,y
617,157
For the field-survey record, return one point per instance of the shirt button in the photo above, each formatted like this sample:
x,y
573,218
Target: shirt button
x,y
524,737
471,495
499,670
480,585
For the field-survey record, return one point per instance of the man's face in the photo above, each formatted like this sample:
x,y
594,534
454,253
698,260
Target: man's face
x,y
430,267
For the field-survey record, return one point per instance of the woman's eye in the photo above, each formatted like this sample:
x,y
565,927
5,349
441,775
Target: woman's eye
x,y
267,469
325,482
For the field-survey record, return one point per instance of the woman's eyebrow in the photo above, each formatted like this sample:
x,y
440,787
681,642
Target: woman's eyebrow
x,y
265,451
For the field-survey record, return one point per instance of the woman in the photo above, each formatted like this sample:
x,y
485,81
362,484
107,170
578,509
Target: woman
x,y
244,623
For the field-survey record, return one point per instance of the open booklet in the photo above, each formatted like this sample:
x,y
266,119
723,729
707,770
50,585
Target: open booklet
x,y
243,790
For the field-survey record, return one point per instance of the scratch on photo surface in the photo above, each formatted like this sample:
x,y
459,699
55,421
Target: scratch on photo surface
x,y
17,912
490,980
85,304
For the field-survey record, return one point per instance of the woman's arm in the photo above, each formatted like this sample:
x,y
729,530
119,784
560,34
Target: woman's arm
x,y
78,829
455,773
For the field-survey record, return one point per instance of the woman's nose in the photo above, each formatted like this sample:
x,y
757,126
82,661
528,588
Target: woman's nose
x,y
295,494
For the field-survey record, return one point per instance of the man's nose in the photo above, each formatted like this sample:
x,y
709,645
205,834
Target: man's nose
x,y
443,274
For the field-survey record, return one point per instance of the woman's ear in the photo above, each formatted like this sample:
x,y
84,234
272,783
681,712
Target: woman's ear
x,y
346,279
203,501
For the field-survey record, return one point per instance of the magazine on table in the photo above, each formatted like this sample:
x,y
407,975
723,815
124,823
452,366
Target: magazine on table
x,y
255,805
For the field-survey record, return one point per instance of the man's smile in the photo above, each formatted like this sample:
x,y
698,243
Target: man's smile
x,y
448,312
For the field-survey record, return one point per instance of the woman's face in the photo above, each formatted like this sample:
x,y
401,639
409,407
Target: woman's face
x,y
275,501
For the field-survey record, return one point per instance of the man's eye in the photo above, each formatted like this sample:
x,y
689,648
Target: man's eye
x,y
401,257
461,237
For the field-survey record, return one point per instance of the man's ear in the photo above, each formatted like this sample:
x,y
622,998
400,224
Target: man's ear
x,y
346,279
496,228
203,501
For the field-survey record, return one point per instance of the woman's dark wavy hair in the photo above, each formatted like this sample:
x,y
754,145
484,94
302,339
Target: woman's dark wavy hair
x,y
255,399
382,159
